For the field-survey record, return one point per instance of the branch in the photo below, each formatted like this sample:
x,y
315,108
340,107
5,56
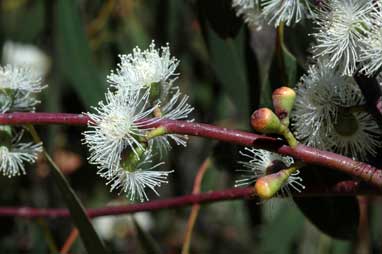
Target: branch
x,y
304,153
344,188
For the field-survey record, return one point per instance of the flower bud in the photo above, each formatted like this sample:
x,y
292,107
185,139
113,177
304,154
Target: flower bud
x,y
265,121
283,100
267,186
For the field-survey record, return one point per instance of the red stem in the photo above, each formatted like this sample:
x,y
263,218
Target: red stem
x,y
345,188
307,154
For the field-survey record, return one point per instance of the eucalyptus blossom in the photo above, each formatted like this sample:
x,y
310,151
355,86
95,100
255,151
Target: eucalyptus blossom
x,y
18,88
259,163
329,114
342,27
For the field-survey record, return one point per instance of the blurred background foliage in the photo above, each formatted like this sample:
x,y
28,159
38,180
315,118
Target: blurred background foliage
x,y
228,70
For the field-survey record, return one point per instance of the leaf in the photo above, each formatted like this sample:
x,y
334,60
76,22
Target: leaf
x,y
74,53
263,47
337,217
92,243
221,17
229,64
289,62
298,41
290,65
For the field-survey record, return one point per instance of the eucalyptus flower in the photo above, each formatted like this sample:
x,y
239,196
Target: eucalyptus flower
x,y
342,26
250,11
18,87
134,181
116,126
371,50
260,163
329,114
13,153
288,11
259,12
120,141
142,69
177,108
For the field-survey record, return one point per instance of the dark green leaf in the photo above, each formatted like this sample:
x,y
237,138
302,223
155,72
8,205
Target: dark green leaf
x,y
92,242
229,65
290,66
337,217
262,43
74,53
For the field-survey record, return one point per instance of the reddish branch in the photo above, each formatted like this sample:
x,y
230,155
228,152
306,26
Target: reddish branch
x,y
345,188
307,154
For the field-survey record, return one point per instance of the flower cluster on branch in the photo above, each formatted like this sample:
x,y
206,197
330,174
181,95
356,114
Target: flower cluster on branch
x,y
120,142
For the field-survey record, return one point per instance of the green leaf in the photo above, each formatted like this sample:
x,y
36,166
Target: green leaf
x,y
74,53
92,242
298,41
289,62
228,62
290,65
262,44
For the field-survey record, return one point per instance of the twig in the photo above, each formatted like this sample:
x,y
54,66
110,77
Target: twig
x,y
307,154
345,188
195,207
69,241
89,237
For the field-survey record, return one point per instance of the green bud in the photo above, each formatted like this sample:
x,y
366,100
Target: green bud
x,y
265,121
283,101
267,186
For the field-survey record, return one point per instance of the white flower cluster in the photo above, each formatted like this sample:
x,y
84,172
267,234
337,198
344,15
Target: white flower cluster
x,y
328,114
256,12
347,32
18,87
343,25
260,163
142,88
14,155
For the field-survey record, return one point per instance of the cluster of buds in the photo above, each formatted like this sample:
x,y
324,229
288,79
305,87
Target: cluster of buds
x,y
266,121
271,172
